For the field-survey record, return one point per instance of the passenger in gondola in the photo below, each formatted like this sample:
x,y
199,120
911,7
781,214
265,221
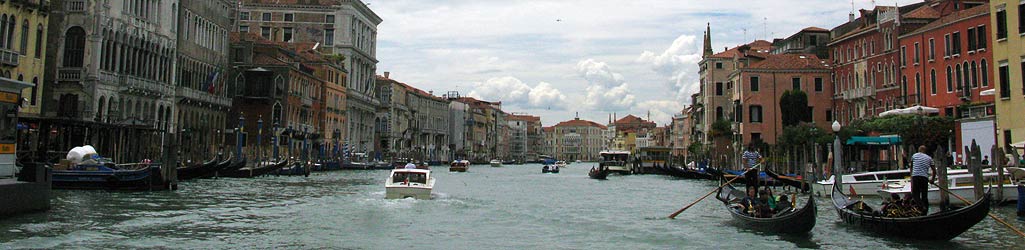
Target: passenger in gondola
x,y
749,202
783,204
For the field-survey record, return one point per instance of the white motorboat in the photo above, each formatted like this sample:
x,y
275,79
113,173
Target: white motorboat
x,y
459,166
560,164
616,161
496,163
409,183
960,184
867,183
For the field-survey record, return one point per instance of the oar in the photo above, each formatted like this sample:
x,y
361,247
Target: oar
x,y
673,216
991,215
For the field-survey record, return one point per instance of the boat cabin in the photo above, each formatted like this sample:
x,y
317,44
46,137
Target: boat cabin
x,y
412,175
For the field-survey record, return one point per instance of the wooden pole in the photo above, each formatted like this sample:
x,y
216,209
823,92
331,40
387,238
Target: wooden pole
x,y
673,216
991,215
941,172
997,161
975,167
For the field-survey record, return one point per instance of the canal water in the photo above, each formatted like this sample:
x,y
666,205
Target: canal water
x,y
513,207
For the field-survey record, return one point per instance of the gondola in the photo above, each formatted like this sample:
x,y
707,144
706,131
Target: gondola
x,y
251,172
108,176
198,171
797,221
231,165
789,181
938,226
598,173
294,169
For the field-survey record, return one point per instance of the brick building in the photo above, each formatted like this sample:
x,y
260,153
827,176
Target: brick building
x,y
759,86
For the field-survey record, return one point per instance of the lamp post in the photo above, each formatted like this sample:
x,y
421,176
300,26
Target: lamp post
x,y
305,149
335,135
837,156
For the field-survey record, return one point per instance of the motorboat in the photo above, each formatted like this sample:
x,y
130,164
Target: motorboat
x,y
561,164
495,163
550,169
616,161
868,183
459,166
409,183
959,184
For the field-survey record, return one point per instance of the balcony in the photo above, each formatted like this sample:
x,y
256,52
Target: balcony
x,y
202,96
74,5
857,93
8,57
307,101
143,86
70,75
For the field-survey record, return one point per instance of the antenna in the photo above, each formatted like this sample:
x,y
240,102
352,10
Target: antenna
x,y
745,35
765,28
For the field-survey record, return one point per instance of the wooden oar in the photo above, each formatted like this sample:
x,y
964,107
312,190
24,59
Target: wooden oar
x,y
991,215
673,216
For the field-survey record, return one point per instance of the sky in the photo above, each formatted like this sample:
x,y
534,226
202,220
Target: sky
x,y
592,58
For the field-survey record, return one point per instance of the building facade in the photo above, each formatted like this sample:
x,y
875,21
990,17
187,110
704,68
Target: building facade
x,y
416,125
201,98
760,85
811,40
1008,69
23,34
578,140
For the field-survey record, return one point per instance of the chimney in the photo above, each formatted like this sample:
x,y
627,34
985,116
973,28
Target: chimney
x,y
387,75
850,17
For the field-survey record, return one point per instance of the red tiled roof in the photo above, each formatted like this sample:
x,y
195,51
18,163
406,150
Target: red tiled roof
x,y
548,129
790,61
528,118
580,123
922,12
953,18
815,29
755,46
630,119
292,2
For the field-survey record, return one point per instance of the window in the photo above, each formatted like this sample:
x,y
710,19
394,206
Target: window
x,y
287,35
718,113
24,38
754,84
984,73
265,32
1023,77
932,80
958,77
916,54
971,39
35,91
244,16
243,28
329,37
756,137
981,37
829,115
950,80
918,85
266,17
946,45
289,17
718,88
1001,24
956,37
718,65
329,19
932,49
1005,84
818,84
1021,22
974,76
813,40
755,113
74,47
39,41
903,56
796,82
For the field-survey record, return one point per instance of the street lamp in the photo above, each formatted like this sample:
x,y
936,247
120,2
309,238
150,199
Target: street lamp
x,y
837,156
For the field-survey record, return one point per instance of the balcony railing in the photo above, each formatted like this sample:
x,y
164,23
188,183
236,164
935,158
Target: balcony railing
x,y
70,74
8,57
202,96
307,101
74,5
132,83
862,92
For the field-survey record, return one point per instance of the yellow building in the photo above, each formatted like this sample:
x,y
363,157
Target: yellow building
x,y
1008,51
22,48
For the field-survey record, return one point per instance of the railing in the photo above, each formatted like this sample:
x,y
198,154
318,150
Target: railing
x,y
202,96
70,74
8,57
861,92
133,83
74,5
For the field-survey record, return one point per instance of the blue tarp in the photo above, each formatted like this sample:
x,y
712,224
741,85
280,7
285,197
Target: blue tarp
x,y
874,140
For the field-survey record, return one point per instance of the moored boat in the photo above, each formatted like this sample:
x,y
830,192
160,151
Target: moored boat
x,y
960,184
561,164
254,171
599,173
495,163
198,171
789,181
295,169
943,225
867,183
109,176
788,221
409,183
459,166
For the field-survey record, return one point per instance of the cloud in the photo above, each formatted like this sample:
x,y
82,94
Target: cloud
x,y
677,65
662,111
513,92
606,89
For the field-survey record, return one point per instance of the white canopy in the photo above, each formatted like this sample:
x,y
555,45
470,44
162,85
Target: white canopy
x,y
988,92
917,109
1020,144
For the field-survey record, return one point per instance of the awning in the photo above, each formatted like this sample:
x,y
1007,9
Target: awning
x,y
874,140
1020,144
988,92
918,110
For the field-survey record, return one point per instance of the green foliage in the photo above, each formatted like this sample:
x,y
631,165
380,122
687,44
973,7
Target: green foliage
x,y
803,134
722,128
793,107
696,149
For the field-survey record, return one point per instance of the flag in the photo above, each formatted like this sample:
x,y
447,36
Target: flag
x,y
211,82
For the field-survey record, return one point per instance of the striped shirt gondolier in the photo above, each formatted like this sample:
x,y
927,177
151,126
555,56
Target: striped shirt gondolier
x,y
920,164
751,157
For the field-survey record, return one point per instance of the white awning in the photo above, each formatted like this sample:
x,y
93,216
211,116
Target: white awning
x,y
988,92
917,110
1020,144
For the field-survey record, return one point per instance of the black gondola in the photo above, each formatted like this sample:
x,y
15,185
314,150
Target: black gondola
x,y
938,226
254,171
797,221
789,181
198,171
598,173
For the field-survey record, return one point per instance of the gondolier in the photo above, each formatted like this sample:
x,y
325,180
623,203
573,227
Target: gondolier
x,y
752,157
921,164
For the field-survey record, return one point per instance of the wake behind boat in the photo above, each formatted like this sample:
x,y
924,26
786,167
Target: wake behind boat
x,y
409,183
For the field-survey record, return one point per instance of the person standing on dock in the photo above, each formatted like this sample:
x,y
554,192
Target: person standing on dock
x,y
752,156
921,164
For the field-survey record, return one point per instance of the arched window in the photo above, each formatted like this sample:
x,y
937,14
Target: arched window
x,y
3,31
99,109
39,41
950,80
984,73
24,37
74,47
719,113
932,80
10,31
35,91
975,75
958,77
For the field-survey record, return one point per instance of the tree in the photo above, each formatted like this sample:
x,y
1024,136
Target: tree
x,y
793,105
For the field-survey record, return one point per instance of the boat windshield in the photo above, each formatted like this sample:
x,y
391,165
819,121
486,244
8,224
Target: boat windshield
x,y
412,177
615,157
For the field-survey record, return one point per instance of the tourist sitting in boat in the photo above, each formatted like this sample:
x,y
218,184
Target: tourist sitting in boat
x,y
410,165
783,204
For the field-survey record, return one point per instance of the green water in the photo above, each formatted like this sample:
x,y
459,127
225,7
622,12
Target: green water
x,y
513,207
